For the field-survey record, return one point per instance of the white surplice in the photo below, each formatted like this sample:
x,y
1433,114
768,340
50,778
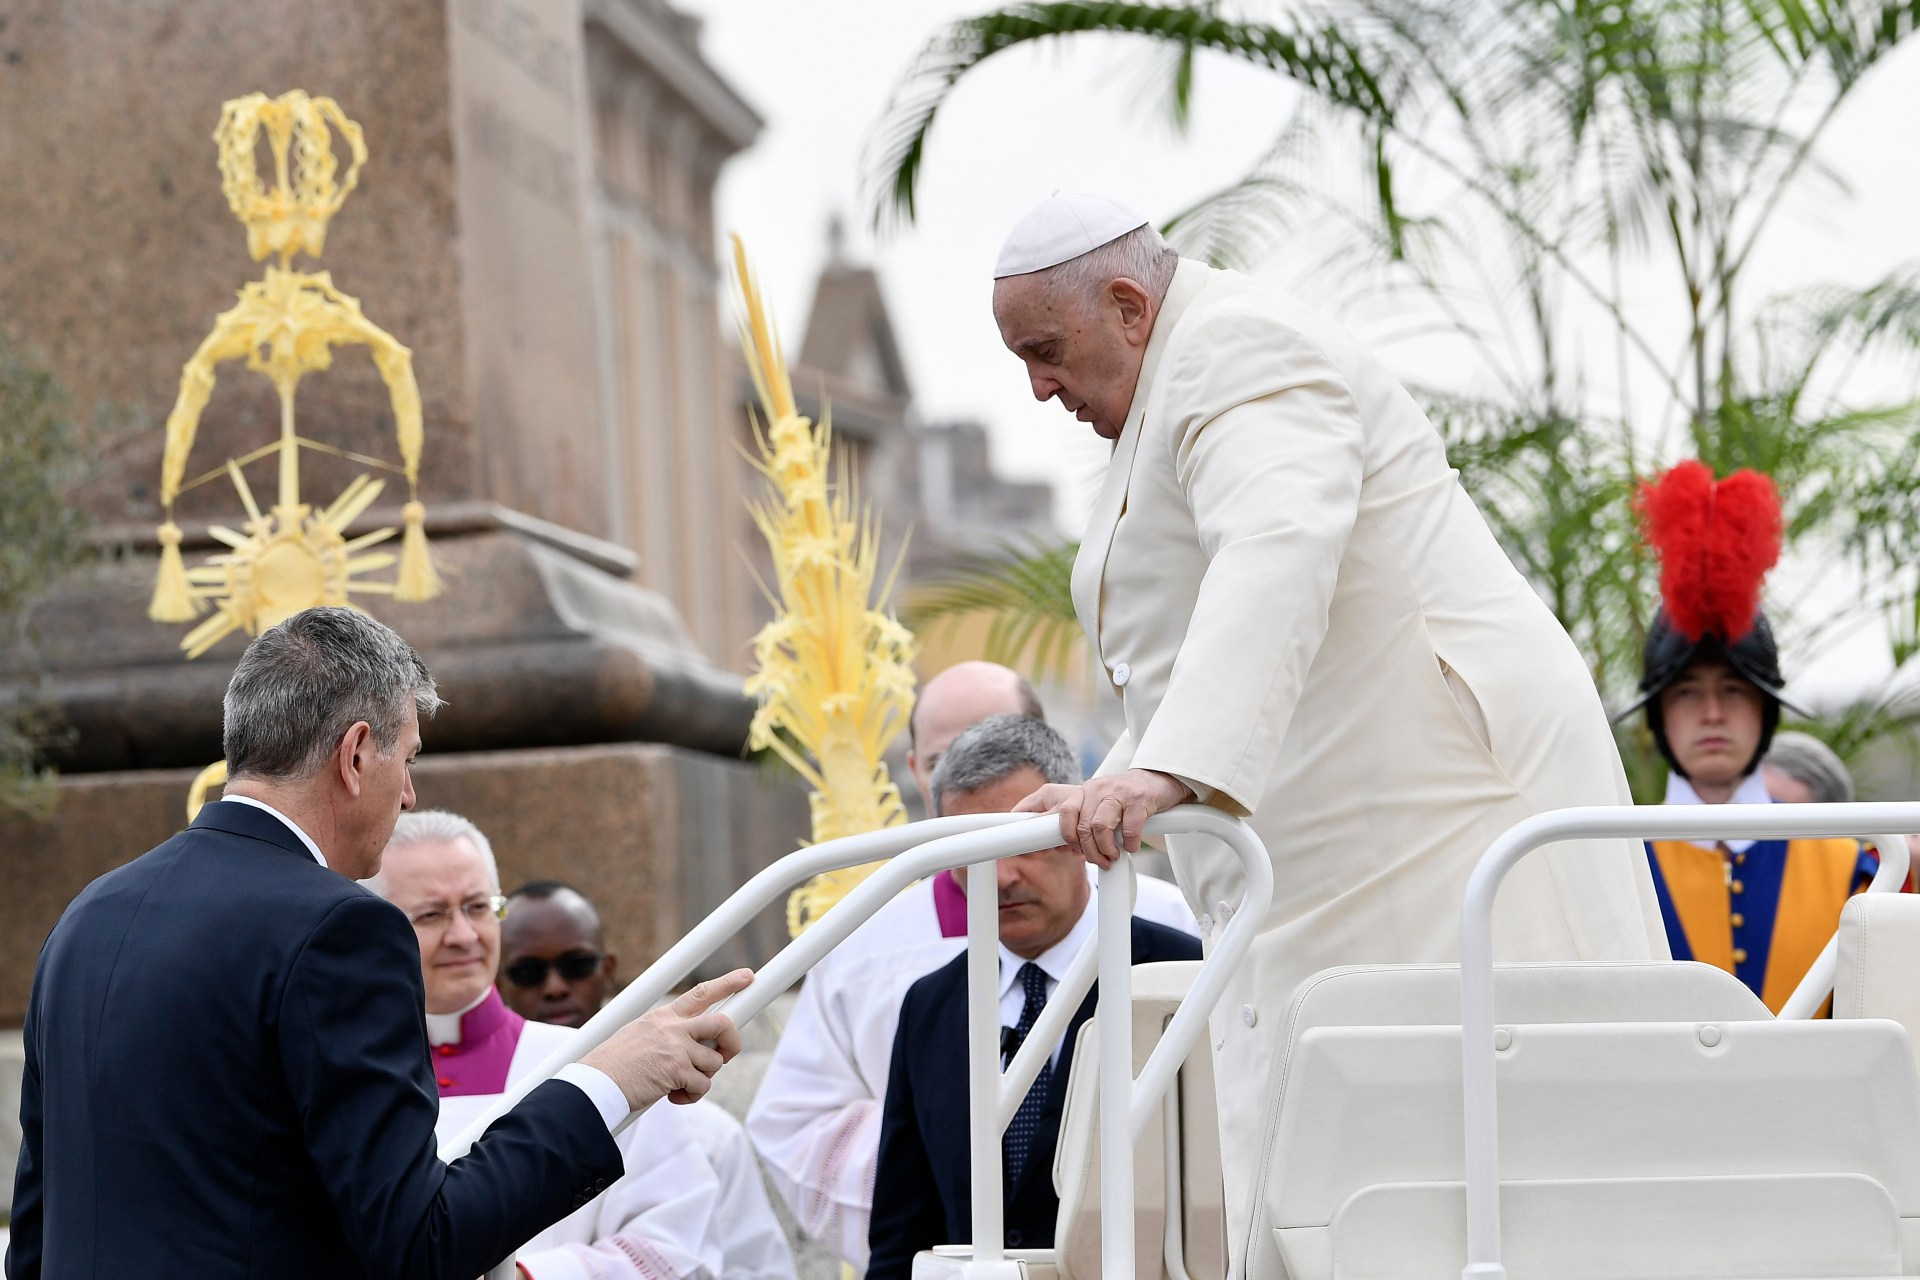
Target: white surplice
x,y
692,1205
816,1117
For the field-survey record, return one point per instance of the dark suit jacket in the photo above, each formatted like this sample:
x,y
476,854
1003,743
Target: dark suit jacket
x,y
227,1076
922,1189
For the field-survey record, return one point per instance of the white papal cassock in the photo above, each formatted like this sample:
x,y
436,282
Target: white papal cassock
x,y
816,1117
1307,619
692,1205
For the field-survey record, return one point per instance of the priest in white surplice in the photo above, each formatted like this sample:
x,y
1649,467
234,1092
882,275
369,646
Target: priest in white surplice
x,y
1309,626
691,1206
816,1116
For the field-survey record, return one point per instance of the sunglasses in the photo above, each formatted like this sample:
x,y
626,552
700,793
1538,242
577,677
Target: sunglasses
x,y
532,971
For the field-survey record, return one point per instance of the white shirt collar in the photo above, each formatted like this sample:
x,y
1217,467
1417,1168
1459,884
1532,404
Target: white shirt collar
x,y
444,1028
1055,960
1752,790
305,839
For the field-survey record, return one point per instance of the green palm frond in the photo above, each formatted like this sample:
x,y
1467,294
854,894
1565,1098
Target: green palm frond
x,y
1847,37
1236,225
1326,60
1026,595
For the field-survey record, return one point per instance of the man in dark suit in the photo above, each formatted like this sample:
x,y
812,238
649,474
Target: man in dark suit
x,y
226,1065
922,1193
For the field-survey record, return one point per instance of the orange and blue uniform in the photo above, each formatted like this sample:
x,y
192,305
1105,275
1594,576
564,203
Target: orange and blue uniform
x,y
1762,914
1760,909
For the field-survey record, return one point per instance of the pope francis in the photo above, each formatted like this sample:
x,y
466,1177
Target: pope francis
x,y
1309,626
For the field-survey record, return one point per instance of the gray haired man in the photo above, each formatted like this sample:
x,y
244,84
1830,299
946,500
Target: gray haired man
x,y
1801,769
816,1118
279,1120
921,1189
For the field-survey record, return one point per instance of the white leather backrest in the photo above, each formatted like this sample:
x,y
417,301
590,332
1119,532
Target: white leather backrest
x,y
1609,1072
1371,1106
1429,995
1157,992
1878,970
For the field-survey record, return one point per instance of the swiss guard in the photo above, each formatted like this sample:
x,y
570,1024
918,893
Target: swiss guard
x,y
1711,688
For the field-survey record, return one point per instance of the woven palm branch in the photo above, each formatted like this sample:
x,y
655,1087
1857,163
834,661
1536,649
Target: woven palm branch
x,y
833,669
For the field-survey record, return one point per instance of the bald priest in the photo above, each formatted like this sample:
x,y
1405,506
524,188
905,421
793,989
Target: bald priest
x,y
1309,626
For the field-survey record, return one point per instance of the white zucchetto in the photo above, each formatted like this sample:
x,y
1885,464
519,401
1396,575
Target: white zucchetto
x,y
1061,228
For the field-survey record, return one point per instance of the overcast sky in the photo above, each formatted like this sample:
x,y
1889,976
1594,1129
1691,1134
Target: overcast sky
x,y
1079,116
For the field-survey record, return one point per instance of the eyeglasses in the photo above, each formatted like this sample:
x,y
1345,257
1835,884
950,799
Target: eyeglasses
x,y
477,911
577,966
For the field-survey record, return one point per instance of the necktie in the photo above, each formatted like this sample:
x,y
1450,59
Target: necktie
x,y
1026,1121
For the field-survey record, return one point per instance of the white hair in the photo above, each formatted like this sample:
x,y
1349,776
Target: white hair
x,y
1805,758
1142,255
437,825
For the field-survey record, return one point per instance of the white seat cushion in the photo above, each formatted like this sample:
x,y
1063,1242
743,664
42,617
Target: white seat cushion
x,y
1157,992
1596,1117
1878,969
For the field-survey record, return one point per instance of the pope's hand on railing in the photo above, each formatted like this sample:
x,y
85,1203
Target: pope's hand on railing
x,y
1102,817
672,1052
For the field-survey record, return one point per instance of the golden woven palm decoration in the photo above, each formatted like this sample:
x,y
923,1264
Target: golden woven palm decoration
x,y
833,669
294,555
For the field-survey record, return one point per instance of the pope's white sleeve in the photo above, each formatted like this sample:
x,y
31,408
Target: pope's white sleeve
x,y
655,1223
816,1123
1267,443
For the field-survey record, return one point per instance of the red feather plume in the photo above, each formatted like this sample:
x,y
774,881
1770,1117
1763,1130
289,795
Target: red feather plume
x,y
1716,542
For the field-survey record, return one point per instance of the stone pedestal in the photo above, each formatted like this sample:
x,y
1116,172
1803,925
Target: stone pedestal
x,y
536,642
657,836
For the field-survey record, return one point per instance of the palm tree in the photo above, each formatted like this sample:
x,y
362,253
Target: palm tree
x,y
1507,166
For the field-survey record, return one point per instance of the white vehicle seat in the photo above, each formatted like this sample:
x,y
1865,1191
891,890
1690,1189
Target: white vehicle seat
x,y
1157,992
1877,974
1655,1122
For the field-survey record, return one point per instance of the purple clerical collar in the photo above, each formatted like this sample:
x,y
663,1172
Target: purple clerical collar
x,y
477,1061
950,905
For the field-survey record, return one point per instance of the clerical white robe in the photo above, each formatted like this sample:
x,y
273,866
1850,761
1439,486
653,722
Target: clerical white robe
x,y
692,1205
1305,618
816,1117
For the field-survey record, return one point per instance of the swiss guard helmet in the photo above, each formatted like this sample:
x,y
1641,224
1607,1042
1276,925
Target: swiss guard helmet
x,y
1716,541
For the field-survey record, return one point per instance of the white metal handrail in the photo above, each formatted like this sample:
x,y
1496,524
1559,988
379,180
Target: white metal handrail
x,y
678,962
1127,1105
1642,822
914,852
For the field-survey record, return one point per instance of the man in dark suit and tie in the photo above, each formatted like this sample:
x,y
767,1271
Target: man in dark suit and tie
x,y
922,1193
226,1066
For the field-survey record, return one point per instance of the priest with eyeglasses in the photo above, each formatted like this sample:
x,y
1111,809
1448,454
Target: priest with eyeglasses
x,y
691,1205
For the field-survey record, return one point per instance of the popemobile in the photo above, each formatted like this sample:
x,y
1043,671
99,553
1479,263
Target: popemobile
x,y
1482,1120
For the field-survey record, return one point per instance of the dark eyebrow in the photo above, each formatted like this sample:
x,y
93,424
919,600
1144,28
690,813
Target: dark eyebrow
x,y
1026,345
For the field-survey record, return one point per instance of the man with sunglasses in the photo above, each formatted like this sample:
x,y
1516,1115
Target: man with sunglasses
x,y
691,1205
554,962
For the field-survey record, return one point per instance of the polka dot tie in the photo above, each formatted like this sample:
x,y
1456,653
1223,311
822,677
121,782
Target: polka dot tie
x,y
1026,1121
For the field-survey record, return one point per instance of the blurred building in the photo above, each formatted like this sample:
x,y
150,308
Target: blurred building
x,y
932,484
